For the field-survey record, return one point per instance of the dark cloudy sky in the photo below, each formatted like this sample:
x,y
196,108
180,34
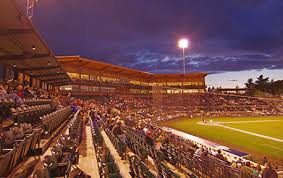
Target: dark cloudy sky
x,y
231,39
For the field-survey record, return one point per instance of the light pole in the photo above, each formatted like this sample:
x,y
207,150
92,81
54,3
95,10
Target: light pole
x,y
183,44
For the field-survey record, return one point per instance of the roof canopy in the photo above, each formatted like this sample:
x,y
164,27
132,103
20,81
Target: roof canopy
x,y
77,64
22,47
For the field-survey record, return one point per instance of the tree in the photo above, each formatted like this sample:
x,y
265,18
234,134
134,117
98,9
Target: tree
x,y
264,85
249,84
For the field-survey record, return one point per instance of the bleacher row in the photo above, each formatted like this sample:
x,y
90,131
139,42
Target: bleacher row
x,y
197,166
138,145
139,168
185,162
117,143
22,140
30,114
53,120
16,150
141,152
36,101
64,153
106,163
9,108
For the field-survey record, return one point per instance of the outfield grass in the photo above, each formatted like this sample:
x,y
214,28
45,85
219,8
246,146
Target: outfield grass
x,y
256,146
272,129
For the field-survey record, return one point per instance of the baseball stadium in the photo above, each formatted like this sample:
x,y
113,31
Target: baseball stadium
x,y
77,116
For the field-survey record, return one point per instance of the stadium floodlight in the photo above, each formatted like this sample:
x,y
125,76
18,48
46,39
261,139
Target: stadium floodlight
x,y
183,44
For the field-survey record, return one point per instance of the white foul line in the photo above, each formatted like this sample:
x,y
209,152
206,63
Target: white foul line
x,y
251,133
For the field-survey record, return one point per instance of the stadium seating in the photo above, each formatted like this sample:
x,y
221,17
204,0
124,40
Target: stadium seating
x,y
138,168
18,143
53,120
64,154
5,105
118,143
30,114
36,101
107,166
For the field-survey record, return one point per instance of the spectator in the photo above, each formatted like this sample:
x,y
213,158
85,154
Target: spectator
x,y
149,140
264,160
199,152
20,91
117,130
269,172
247,169
219,155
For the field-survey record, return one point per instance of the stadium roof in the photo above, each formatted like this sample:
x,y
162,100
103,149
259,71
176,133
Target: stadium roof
x,y
77,64
21,46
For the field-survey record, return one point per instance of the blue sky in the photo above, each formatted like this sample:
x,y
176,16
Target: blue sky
x,y
231,40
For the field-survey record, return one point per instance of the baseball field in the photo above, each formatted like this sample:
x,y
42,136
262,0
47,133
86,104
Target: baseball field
x,y
257,136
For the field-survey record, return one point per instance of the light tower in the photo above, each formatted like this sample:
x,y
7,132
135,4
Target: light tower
x,y
183,44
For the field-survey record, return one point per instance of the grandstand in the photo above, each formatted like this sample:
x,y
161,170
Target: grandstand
x,y
70,116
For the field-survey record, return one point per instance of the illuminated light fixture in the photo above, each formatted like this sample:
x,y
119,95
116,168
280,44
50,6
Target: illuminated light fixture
x,y
14,65
33,47
183,43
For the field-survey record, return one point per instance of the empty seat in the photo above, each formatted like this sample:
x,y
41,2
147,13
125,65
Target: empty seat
x,y
27,145
6,162
18,153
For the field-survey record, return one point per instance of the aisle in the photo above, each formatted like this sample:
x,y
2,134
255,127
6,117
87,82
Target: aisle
x,y
122,164
88,161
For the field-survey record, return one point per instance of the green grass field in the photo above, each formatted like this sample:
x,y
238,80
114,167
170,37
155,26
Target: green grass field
x,y
256,146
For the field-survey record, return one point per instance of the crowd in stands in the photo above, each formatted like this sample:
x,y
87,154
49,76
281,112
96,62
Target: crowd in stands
x,y
129,122
221,104
138,127
27,115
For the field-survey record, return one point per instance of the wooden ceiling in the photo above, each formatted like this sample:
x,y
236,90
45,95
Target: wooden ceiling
x,y
21,45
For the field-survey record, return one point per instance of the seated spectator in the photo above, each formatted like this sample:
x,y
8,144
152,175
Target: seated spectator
x,y
18,133
247,168
27,128
20,90
117,129
2,90
8,138
148,138
219,155
257,170
199,152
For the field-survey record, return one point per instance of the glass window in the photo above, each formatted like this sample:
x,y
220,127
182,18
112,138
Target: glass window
x,y
66,87
74,75
84,77
84,88
92,77
174,83
107,79
134,82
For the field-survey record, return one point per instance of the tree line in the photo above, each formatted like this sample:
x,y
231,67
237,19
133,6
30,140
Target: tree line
x,y
264,84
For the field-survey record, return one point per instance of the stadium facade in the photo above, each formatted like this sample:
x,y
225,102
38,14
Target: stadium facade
x,y
91,77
